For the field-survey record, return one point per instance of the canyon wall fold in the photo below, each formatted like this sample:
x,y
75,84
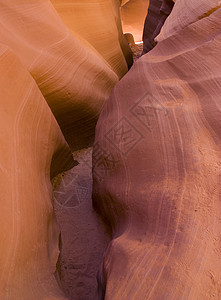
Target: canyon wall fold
x,y
73,77
76,53
32,150
98,22
157,167
158,12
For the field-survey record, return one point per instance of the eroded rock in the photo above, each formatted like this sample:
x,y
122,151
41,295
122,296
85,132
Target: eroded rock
x,y
32,148
159,136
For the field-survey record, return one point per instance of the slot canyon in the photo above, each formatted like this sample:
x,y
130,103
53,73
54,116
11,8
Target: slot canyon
x,y
110,154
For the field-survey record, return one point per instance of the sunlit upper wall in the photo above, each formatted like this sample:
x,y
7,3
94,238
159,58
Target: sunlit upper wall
x,y
133,13
98,23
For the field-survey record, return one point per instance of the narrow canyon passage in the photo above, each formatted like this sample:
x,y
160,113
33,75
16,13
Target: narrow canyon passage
x,y
110,168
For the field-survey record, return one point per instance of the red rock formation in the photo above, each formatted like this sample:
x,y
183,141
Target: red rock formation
x,y
73,77
158,12
75,69
185,13
32,149
98,22
157,167
133,13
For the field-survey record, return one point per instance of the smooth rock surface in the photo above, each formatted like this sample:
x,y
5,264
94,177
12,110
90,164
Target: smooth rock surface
x,y
32,150
73,77
157,172
98,22
133,14
184,13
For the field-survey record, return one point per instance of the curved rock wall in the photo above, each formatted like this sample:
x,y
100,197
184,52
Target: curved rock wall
x,y
158,12
74,78
185,13
98,22
32,149
157,167
133,13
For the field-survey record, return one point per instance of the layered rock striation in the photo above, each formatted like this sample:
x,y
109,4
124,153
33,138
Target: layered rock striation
x,y
73,76
32,151
157,171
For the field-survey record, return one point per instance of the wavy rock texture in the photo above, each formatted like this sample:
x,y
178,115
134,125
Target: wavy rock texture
x,y
32,148
157,167
158,12
74,79
133,13
98,22
185,13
